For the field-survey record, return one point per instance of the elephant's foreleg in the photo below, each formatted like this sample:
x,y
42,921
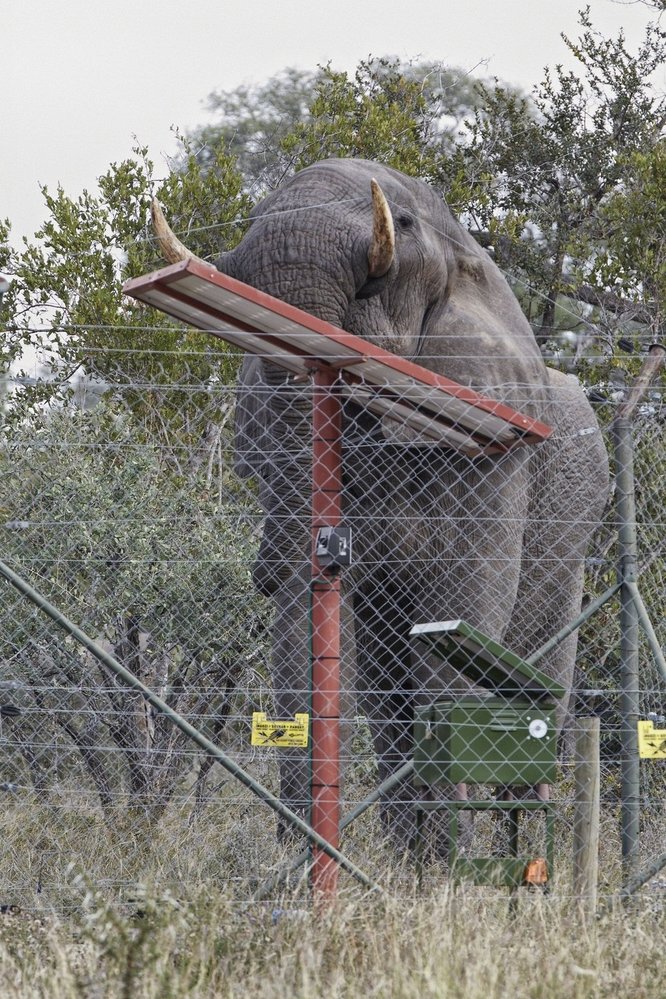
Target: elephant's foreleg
x,y
291,694
386,695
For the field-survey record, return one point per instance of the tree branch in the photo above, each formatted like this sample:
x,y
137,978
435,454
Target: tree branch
x,y
639,312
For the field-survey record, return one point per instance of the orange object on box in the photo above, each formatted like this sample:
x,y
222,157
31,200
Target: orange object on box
x,y
536,872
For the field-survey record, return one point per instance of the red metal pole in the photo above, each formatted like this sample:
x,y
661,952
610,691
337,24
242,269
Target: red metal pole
x,y
325,622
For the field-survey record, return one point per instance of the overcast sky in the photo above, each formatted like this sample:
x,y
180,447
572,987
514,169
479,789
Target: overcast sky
x,y
81,78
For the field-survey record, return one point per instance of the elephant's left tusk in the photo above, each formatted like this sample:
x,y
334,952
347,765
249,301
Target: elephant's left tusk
x,y
382,248
172,249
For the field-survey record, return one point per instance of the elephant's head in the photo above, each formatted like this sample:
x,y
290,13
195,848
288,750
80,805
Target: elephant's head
x,y
395,268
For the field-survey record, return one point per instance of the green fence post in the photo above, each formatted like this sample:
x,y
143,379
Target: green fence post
x,y
629,680
625,505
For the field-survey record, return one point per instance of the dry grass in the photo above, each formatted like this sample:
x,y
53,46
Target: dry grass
x,y
441,944
168,912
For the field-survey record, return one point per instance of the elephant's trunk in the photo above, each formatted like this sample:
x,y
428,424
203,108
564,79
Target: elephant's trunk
x,y
382,247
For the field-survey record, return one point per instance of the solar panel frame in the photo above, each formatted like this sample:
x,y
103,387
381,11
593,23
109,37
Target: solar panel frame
x,y
439,409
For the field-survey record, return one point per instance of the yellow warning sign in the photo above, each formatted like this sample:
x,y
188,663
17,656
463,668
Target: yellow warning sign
x,y
279,733
651,741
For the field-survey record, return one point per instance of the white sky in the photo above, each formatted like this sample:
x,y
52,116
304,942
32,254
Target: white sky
x,y
82,77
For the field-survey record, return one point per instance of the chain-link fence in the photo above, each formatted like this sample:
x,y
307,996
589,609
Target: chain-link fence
x,y
121,506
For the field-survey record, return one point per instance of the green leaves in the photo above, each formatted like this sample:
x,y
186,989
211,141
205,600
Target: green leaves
x,y
635,221
379,114
550,179
404,115
67,294
153,563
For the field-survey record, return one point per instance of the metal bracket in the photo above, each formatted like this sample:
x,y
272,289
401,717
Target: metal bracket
x,y
334,547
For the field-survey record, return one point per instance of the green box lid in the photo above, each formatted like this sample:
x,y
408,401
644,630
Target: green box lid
x,y
484,661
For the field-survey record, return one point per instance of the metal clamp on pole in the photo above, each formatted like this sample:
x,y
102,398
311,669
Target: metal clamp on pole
x,y
334,548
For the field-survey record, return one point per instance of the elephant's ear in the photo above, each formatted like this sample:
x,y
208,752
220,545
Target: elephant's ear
x,y
481,303
471,268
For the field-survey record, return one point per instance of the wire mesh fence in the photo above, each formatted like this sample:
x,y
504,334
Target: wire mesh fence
x,y
166,512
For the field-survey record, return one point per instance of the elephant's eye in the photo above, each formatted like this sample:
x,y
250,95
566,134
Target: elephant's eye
x,y
405,221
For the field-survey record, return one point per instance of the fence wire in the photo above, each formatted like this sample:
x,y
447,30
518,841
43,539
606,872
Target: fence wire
x,y
166,512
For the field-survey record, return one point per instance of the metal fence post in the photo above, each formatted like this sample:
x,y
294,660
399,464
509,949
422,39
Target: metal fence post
x,y
325,624
629,622
630,606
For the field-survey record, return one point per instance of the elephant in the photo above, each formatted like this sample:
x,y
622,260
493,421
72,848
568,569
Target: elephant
x,y
497,540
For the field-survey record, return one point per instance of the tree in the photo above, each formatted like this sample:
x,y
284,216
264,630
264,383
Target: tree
x,y
67,291
634,221
543,174
118,491
404,114
252,123
379,114
155,568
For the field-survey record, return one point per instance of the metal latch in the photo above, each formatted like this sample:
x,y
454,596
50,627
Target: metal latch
x,y
334,547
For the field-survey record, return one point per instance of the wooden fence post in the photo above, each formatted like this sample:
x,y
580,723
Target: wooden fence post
x,y
586,815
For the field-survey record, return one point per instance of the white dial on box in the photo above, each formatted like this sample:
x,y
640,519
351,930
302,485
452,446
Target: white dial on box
x,y
538,728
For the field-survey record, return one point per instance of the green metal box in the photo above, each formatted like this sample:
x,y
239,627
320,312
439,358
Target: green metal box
x,y
485,740
506,734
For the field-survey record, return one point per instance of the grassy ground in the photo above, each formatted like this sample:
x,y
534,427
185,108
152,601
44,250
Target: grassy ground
x,y
168,911
467,945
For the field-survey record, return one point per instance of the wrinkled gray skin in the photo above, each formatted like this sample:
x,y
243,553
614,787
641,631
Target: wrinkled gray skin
x,y
498,541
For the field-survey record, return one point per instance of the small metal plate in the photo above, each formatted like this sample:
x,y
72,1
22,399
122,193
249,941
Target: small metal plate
x,y
651,741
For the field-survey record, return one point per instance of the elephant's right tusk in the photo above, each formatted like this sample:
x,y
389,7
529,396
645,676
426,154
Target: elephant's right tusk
x,y
172,249
382,248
